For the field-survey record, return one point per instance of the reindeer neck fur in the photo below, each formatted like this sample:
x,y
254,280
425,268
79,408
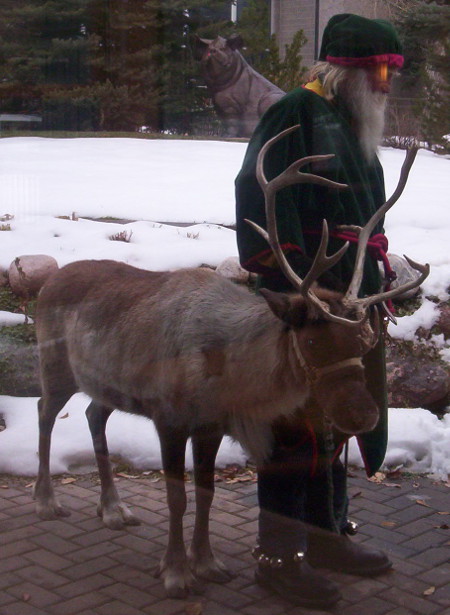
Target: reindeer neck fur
x,y
260,377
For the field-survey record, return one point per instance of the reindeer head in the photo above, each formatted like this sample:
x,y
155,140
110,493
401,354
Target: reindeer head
x,y
330,331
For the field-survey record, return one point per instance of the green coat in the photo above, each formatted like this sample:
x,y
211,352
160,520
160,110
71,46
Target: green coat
x,y
324,129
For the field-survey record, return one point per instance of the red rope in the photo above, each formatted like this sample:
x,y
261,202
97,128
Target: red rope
x,y
377,247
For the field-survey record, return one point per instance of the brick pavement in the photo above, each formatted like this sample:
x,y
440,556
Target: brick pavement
x,y
76,566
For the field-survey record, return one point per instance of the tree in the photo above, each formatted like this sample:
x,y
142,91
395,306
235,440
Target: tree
x,y
122,64
42,44
262,49
424,26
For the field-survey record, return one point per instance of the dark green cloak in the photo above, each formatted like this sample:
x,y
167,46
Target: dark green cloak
x,y
324,129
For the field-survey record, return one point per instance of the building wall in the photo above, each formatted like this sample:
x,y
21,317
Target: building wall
x,y
311,16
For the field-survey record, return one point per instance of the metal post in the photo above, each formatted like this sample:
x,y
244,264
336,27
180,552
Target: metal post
x,y
316,30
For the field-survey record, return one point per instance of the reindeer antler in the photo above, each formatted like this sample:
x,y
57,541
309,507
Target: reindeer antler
x,y
364,235
322,262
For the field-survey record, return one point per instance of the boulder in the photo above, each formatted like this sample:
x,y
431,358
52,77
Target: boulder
x,y
415,381
28,273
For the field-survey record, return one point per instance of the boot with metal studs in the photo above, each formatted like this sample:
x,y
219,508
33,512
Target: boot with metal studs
x,y
295,580
337,552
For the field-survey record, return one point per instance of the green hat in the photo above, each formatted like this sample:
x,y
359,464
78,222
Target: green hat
x,y
351,40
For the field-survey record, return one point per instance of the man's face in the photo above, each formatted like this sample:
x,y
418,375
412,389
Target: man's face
x,y
380,77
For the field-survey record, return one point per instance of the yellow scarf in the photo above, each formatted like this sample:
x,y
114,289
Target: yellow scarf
x,y
315,86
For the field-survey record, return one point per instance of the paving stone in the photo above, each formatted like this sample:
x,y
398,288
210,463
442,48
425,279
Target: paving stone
x,y
41,576
433,557
414,603
34,594
22,608
130,595
438,575
83,586
9,579
88,567
44,557
118,607
76,566
82,602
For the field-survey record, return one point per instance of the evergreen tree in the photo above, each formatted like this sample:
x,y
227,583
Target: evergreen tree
x,y
424,26
262,49
42,44
121,64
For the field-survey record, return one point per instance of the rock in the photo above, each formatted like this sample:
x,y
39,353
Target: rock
x,y
231,269
443,323
28,273
416,382
405,273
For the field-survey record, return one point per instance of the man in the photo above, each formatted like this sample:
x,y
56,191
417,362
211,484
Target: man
x,y
302,489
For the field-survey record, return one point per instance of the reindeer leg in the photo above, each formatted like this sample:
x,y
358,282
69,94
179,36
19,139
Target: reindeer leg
x,y
205,445
47,506
174,568
111,508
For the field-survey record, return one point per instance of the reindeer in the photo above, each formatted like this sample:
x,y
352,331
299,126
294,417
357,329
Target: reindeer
x,y
202,357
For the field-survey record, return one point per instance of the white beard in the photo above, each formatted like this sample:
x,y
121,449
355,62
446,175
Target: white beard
x,y
367,109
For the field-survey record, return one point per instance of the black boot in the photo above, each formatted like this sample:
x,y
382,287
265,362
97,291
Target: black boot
x,y
339,553
296,581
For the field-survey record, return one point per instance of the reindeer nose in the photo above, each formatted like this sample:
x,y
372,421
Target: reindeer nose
x,y
352,409
356,420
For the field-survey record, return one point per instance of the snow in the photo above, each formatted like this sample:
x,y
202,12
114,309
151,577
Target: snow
x,y
155,182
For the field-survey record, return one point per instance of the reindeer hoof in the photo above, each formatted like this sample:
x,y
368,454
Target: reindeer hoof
x,y
178,592
209,568
51,510
179,584
117,516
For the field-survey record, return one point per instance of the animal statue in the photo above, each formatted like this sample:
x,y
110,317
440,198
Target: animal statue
x,y
201,357
240,94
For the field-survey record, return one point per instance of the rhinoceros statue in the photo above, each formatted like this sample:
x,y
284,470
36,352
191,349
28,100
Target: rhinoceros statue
x,y
239,93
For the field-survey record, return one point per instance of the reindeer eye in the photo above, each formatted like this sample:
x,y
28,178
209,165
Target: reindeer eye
x,y
310,342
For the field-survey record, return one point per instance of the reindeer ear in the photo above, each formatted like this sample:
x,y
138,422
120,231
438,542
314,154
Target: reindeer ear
x,y
235,42
291,309
199,46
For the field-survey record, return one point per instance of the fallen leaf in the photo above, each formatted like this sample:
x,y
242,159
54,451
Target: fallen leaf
x,y
378,477
68,480
422,503
388,524
4,487
396,485
444,513
429,591
64,416
194,608
357,494
125,475
443,526
26,597
29,485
